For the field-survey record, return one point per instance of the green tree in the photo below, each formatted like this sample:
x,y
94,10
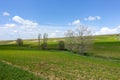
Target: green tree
x,y
19,42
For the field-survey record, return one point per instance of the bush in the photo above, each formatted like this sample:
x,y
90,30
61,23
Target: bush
x,y
44,46
61,45
19,42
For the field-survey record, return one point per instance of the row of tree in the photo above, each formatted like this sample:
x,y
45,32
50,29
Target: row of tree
x,y
44,43
78,40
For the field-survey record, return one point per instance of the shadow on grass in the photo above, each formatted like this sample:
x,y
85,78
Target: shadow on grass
x,y
16,47
116,43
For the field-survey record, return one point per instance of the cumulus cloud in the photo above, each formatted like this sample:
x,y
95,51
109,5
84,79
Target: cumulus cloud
x,y
10,25
27,29
24,22
75,23
92,18
107,30
6,14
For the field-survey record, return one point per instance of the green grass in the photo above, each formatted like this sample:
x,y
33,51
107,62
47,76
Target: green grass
x,y
8,72
53,64
107,46
107,49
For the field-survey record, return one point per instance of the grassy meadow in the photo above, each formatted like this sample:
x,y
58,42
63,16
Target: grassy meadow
x,y
29,63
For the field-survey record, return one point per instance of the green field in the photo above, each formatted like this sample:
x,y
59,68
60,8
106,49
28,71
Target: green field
x,y
107,46
29,63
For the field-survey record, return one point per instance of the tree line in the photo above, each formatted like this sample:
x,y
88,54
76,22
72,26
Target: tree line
x,y
78,40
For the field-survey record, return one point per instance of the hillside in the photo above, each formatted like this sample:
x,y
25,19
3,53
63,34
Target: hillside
x,y
101,64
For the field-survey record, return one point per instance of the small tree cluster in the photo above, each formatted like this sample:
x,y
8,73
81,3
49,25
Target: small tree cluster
x,y
61,45
79,40
44,43
19,42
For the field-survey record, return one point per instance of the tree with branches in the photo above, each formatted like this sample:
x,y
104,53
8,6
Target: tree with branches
x,y
45,39
69,40
39,38
83,39
79,40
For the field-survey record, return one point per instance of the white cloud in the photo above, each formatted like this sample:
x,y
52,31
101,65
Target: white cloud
x,y
98,17
15,31
75,23
107,30
27,29
92,18
10,25
6,14
24,22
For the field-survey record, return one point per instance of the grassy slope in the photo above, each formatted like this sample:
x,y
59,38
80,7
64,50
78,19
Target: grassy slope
x,y
107,46
54,64
62,65
8,72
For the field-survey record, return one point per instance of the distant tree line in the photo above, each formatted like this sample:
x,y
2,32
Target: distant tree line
x,y
78,40
44,44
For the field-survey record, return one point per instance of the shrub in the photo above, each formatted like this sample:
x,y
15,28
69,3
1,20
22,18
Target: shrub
x,y
19,42
61,45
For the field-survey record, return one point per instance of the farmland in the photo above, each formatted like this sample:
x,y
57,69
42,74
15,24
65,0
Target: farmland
x,y
102,64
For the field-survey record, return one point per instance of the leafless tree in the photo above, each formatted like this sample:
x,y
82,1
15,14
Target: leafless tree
x,y
69,40
39,38
83,39
79,40
45,39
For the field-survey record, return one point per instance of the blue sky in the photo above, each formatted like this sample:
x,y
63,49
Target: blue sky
x,y
27,18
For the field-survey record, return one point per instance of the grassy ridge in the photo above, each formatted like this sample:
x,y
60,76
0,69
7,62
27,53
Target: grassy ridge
x,y
107,46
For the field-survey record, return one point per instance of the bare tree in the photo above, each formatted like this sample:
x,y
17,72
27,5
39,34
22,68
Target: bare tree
x,y
19,42
45,38
83,38
69,40
79,40
39,37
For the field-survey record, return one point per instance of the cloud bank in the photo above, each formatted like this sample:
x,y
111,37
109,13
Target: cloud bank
x,y
107,30
27,29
